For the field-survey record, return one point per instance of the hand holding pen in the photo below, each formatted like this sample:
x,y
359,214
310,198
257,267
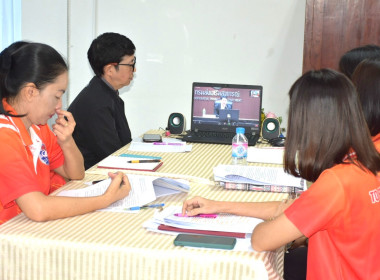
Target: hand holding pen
x,y
118,188
199,205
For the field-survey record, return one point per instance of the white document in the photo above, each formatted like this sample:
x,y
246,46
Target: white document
x,y
259,175
142,191
266,155
223,222
168,145
120,163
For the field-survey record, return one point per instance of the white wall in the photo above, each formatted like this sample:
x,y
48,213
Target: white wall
x,y
45,21
179,42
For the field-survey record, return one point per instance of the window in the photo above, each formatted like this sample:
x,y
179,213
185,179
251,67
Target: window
x,y
10,30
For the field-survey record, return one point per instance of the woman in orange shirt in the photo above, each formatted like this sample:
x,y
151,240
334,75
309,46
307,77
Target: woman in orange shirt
x,y
33,79
328,143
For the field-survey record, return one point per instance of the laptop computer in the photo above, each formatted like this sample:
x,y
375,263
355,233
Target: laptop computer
x,y
217,109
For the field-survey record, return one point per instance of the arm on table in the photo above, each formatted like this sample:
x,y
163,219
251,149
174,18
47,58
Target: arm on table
x,y
40,207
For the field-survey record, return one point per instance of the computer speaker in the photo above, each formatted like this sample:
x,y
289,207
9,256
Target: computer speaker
x,y
176,123
270,128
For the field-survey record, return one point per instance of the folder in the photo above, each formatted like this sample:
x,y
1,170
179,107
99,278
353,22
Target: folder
x,y
206,232
121,163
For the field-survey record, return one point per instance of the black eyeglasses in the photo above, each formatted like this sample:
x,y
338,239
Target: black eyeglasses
x,y
132,65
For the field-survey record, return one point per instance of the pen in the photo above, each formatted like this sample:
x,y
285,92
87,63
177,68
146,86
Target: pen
x,y
143,160
146,206
95,182
168,143
211,216
98,181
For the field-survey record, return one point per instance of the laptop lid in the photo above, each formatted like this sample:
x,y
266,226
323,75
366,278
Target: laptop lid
x,y
223,107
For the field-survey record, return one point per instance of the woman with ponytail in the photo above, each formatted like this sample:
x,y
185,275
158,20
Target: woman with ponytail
x,y
33,78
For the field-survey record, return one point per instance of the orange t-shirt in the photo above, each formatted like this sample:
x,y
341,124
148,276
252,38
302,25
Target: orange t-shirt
x,y
25,161
340,213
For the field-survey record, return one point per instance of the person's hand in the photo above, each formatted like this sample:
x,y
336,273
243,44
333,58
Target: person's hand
x,y
119,187
64,126
199,205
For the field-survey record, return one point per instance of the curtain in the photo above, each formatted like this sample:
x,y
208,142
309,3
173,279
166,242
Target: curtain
x,y
10,14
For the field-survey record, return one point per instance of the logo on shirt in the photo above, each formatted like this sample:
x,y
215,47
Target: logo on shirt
x,y
44,155
375,195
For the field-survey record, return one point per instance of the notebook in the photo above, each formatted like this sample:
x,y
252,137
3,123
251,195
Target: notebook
x,y
217,109
124,163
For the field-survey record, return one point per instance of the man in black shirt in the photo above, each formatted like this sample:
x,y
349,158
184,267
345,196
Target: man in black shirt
x,y
101,125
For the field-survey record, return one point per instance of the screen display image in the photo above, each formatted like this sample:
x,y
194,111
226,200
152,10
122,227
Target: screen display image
x,y
223,107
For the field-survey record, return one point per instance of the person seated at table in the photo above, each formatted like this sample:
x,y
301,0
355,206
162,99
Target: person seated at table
x,y
295,259
102,127
33,78
339,213
366,78
367,87
222,104
352,58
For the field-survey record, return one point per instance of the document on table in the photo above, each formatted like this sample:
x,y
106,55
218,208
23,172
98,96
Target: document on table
x,y
261,175
242,244
223,222
266,155
168,145
124,163
142,190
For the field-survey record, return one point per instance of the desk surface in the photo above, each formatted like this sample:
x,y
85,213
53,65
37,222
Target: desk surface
x,y
104,245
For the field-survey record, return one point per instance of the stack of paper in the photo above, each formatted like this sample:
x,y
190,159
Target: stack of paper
x,y
222,223
258,178
228,225
144,190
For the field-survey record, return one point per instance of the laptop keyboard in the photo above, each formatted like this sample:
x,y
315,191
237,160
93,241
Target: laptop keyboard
x,y
216,137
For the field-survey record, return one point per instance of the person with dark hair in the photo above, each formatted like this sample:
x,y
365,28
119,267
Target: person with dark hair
x,y
366,78
222,104
328,143
33,78
295,259
102,127
352,58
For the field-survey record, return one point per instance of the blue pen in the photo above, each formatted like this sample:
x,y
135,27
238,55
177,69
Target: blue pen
x,y
146,206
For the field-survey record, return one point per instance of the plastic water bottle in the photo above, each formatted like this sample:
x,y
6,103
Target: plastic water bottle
x,y
239,147
204,112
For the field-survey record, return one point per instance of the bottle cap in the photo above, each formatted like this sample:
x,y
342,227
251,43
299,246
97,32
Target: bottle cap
x,y
240,130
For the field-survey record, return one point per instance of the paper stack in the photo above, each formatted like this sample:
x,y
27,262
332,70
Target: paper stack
x,y
258,178
228,225
223,225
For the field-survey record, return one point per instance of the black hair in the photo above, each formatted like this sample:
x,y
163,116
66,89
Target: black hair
x,y
108,48
366,78
352,58
325,125
23,63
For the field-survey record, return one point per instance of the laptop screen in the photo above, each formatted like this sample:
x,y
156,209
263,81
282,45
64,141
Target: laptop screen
x,y
223,107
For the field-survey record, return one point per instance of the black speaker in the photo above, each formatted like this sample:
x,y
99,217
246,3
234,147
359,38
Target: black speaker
x,y
176,123
270,128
